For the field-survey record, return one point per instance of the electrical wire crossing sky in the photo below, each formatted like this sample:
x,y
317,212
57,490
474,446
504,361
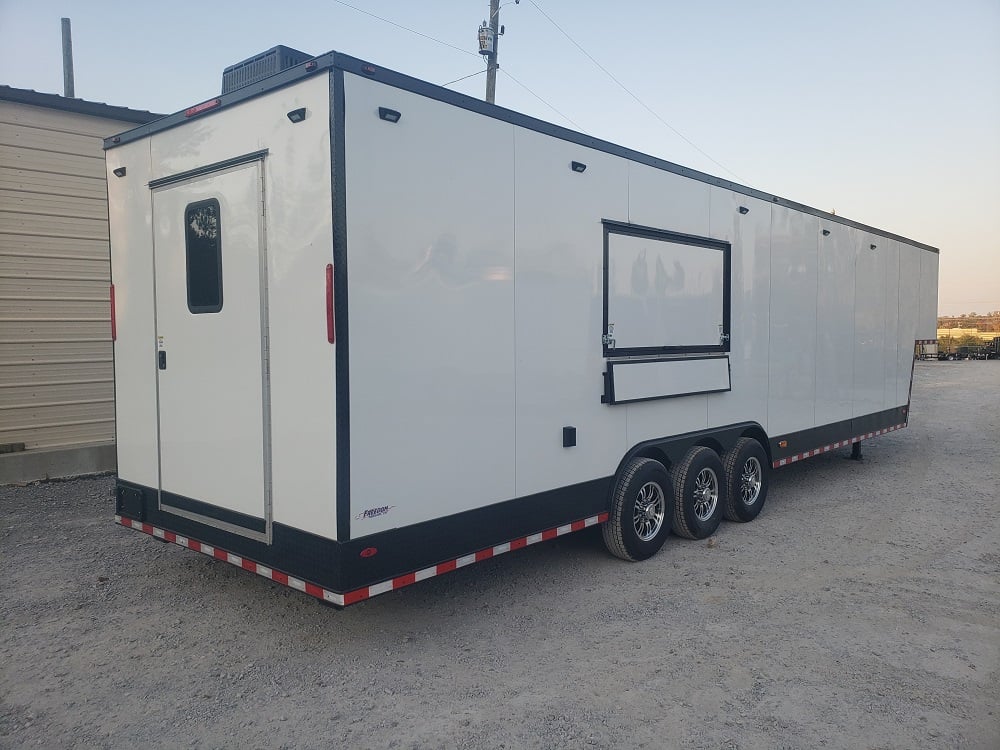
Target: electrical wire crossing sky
x,y
886,113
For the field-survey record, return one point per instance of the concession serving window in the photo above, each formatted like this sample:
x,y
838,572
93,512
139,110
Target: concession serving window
x,y
664,292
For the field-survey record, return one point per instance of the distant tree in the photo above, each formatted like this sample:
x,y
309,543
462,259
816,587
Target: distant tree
x,y
970,339
946,344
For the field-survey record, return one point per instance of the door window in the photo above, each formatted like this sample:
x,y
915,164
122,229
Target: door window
x,y
203,243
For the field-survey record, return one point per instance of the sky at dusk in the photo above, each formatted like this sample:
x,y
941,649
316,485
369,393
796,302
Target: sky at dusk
x,y
886,111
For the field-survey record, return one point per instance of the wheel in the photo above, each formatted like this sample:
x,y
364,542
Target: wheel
x,y
641,506
698,487
746,468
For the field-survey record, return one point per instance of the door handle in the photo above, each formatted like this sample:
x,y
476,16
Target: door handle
x,y
161,359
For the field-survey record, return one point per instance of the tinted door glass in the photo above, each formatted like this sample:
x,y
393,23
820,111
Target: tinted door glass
x,y
203,242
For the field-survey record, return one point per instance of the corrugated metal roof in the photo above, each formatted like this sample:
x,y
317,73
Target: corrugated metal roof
x,y
80,106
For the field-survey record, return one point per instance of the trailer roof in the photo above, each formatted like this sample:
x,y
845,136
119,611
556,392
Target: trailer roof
x,y
339,61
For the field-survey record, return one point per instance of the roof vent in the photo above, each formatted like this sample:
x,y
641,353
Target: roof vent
x,y
259,67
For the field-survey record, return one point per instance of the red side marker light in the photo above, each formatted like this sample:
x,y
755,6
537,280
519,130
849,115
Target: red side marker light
x,y
114,324
311,65
203,107
369,551
368,70
331,334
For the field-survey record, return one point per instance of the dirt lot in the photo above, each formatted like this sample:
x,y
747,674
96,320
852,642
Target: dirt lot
x,y
861,610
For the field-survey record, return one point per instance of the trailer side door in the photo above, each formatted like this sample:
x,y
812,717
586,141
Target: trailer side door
x,y
211,348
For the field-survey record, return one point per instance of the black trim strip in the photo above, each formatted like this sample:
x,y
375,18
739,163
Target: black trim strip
x,y
338,177
799,442
410,548
610,397
207,169
169,500
677,238
398,80
343,567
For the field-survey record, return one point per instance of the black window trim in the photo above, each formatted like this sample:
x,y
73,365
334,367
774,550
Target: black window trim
x,y
200,309
637,230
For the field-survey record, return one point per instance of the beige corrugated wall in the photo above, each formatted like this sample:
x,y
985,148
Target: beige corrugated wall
x,y
56,375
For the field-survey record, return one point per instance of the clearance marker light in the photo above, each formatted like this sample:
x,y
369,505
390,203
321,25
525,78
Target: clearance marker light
x,y
203,107
331,331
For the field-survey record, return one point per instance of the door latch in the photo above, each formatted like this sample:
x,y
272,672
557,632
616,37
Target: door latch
x,y
608,339
161,359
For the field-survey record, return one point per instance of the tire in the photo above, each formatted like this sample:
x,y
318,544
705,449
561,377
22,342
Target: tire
x,y
642,505
699,489
747,470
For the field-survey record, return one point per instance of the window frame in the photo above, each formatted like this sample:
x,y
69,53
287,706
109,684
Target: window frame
x,y
188,209
664,235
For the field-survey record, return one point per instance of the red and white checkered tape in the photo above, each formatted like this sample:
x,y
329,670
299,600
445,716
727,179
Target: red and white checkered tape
x,y
832,446
926,341
367,592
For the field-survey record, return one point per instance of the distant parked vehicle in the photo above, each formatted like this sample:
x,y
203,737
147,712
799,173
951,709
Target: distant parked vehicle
x,y
972,352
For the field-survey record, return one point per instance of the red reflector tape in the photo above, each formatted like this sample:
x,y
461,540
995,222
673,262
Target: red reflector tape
x,y
358,595
827,448
204,106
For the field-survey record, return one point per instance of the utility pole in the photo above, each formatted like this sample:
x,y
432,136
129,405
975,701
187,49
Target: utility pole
x,y
67,46
491,70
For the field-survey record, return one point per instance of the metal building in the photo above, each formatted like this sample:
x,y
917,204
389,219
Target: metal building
x,y
56,373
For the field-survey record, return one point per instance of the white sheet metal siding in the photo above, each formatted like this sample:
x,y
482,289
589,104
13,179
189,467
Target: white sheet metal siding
x,y
56,375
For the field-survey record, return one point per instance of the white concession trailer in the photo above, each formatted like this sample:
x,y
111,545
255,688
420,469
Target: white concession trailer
x,y
368,330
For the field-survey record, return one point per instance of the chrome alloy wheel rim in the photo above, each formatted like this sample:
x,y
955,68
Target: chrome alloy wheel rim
x,y
650,508
750,481
706,494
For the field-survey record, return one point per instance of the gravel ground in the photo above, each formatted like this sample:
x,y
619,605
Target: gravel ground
x,y
860,610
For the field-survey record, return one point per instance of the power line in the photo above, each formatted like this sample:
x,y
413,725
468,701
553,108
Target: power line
x,y
627,91
541,100
477,73
452,46
404,28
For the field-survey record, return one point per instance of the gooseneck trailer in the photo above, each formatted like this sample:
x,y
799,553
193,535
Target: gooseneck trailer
x,y
369,330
